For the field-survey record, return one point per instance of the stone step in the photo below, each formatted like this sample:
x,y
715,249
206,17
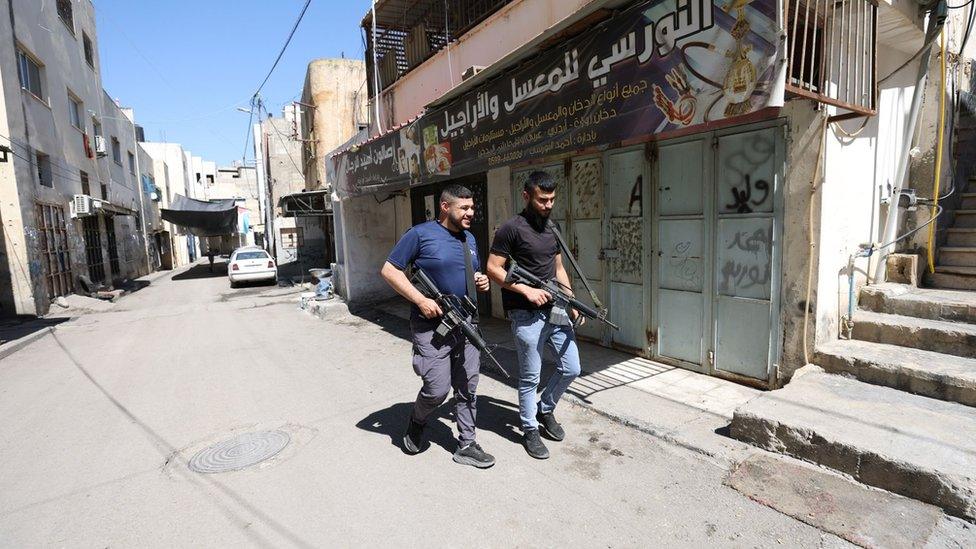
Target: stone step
x,y
952,338
961,237
957,256
907,300
952,278
934,375
968,201
907,444
965,219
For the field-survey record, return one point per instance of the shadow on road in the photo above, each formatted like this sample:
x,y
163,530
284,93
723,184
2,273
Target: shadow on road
x,y
494,415
203,271
12,328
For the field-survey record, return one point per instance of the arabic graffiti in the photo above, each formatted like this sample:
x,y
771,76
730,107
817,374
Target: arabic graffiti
x,y
747,258
626,237
685,267
587,189
741,198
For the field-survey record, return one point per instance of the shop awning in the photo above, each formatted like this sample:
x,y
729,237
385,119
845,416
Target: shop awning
x,y
201,217
652,70
113,209
306,204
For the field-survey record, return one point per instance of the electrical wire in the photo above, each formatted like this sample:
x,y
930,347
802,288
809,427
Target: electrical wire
x,y
814,185
938,212
284,47
938,151
63,171
283,140
855,133
256,97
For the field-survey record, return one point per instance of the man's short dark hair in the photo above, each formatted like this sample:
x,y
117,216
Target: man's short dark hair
x,y
454,192
541,180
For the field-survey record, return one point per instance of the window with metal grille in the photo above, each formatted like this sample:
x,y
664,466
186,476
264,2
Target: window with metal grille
x,y
831,48
89,49
409,33
53,248
29,71
85,184
113,247
93,249
65,13
44,175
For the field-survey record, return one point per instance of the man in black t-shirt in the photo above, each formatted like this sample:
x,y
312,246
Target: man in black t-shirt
x,y
527,240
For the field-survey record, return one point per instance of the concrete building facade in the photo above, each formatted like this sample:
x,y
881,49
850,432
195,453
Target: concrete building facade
x,y
64,136
678,280
298,234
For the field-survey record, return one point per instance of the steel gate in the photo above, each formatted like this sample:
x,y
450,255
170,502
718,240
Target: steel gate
x,y
54,250
93,249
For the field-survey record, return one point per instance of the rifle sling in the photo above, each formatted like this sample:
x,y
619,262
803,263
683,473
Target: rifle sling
x,y
469,278
574,263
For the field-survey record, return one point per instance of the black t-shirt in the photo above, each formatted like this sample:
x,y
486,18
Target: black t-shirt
x,y
527,240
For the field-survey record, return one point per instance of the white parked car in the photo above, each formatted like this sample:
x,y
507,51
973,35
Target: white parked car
x,y
251,263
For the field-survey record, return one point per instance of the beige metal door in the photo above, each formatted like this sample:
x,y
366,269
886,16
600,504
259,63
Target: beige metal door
x,y
624,254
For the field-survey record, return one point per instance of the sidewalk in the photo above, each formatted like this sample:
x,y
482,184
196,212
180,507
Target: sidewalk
x,y
18,332
683,407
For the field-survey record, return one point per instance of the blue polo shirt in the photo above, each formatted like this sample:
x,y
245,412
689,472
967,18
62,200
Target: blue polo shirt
x,y
438,251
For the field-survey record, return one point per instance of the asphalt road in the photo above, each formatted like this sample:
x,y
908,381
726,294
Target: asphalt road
x,y
99,420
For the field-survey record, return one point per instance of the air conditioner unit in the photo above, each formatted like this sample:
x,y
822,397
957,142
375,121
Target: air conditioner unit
x,y
81,206
100,149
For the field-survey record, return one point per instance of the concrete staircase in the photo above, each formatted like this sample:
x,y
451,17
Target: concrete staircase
x,y
956,264
895,406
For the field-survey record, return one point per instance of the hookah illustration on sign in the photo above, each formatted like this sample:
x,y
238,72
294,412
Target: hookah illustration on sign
x,y
737,86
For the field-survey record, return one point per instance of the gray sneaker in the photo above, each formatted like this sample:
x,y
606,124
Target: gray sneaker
x,y
473,455
534,446
550,427
413,439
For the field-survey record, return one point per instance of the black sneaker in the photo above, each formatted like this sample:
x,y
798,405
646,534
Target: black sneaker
x,y
534,446
413,439
550,427
473,455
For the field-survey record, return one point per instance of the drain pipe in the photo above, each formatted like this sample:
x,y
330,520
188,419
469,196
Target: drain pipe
x,y
936,20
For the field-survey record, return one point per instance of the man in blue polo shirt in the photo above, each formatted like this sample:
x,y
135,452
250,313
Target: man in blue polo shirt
x,y
439,249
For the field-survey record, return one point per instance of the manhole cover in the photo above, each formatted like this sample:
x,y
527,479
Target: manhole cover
x,y
239,452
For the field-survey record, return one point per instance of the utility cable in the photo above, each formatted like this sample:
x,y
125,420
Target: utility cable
x,y
255,98
284,47
814,186
283,140
938,151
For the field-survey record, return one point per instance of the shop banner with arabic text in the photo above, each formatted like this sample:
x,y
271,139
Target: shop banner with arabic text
x,y
656,68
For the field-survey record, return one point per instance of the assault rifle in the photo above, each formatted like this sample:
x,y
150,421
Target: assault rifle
x,y
518,275
456,312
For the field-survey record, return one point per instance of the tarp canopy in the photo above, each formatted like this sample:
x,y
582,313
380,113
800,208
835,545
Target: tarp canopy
x,y
202,217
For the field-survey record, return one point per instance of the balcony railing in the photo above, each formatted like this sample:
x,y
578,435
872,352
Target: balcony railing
x,y
832,52
408,32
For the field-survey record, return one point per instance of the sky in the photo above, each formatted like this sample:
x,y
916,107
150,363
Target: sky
x,y
185,65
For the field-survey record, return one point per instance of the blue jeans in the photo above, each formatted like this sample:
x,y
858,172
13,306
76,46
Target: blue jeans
x,y
533,332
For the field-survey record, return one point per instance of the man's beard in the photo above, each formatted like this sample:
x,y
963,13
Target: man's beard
x,y
456,223
538,218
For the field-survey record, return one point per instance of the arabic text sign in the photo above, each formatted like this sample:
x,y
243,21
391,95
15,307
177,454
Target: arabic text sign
x,y
658,67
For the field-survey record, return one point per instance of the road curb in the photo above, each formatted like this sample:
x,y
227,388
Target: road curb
x,y
12,347
658,432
